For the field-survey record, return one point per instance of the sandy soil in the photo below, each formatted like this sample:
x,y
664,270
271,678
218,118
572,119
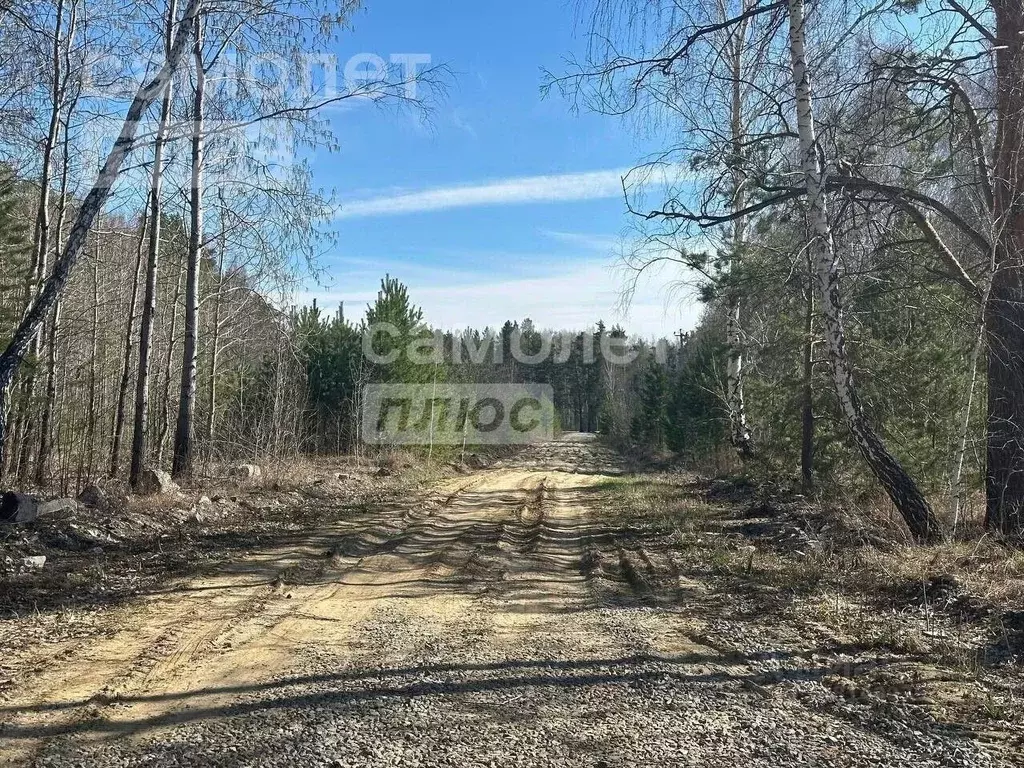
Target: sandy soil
x,y
478,624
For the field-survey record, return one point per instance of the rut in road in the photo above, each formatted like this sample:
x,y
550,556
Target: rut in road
x,y
498,621
193,649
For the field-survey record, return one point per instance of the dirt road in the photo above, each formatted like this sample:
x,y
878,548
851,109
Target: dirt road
x,y
481,625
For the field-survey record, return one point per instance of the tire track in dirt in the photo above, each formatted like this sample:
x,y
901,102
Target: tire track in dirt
x,y
220,633
552,604
496,560
495,622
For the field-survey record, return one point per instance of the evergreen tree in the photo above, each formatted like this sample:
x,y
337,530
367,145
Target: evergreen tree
x,y
650,425
393,323
331,351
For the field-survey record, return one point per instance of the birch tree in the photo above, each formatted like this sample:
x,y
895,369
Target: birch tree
x,y
890,473
261,111
713,114
84,331
14,354
124,379
772,139
149,302
182,463
61,79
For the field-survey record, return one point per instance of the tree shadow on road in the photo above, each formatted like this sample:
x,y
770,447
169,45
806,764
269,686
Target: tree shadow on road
x,y
358,687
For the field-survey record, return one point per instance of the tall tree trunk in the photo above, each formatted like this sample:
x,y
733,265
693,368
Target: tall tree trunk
x,y
90,208
1004,321
49,403
129,346
739,431
956,486
807,387
904,493
45,423
141,424
61,469
211,416
25,423
90,419
182,462
165,399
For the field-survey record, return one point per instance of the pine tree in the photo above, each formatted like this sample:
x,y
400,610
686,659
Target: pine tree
x,y
332,356
650,425
394,322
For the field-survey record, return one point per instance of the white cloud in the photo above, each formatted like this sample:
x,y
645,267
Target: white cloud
x,y
517,190
604,244
554,188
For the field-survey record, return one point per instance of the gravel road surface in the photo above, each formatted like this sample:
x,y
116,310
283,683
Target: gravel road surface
x,y
473,626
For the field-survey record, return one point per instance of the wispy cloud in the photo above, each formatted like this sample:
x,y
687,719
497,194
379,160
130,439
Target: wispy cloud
x,y
553,188
598,243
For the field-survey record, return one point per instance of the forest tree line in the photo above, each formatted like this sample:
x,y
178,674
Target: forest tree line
x,y
846,180
156,210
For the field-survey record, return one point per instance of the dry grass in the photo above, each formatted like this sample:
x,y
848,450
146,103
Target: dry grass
x,y
947,620
302,472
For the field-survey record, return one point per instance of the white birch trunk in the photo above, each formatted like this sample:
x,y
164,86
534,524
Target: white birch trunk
x,y
141,422
956,487
90,208
183,434
129,347
739,432
894,479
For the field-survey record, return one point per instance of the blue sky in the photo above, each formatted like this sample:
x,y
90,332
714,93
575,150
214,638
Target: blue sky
x,y
504,205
